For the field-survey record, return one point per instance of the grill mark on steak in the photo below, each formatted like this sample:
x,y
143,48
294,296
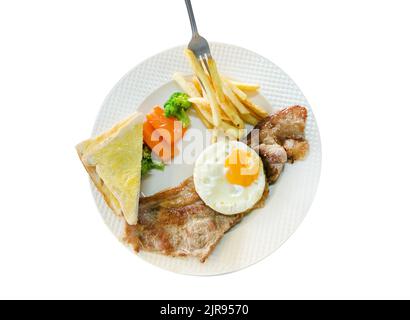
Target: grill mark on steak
x,y
176,222
184,226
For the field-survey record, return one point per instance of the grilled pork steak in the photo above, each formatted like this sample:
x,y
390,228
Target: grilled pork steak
x,y
176,222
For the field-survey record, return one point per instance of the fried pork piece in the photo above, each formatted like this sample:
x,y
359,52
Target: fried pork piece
x,y
296,149
288,123
282,132
274,158
176,222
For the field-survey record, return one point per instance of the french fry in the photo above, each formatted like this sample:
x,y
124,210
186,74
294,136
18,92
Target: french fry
x,y
245,86
186,86
227,112
257,110
200,101
199,72
197,85
204,115
203,103
241,95
216,80
231,112
203,118
220,101
256,116
249,118
234,99
231,131
225,118
189,89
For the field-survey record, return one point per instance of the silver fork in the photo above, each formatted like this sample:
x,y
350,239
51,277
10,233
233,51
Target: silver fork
x,y
198,44
200,48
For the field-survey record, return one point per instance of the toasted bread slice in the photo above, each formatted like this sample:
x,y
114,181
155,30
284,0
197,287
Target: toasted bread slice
x,y
113,161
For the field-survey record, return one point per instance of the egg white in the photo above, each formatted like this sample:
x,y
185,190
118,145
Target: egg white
x,y
213,187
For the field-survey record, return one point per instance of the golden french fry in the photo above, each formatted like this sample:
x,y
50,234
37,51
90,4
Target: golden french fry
x,y
205,68
216,80
199,72
231,131
201,116
245,86
203,103
197,85
257,110
200,101
186,86
257,116
227,113
189,89
234,99
249,118
204,114
224,117
241,95
220,102
231,112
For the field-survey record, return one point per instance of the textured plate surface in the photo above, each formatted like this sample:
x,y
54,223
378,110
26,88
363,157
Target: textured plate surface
x,y
266,229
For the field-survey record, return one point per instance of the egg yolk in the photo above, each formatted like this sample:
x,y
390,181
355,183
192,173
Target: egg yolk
x,y
243,169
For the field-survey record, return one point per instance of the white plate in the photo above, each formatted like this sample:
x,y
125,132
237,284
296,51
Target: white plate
x,y
266,229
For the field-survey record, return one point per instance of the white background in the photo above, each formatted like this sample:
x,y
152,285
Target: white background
x,y
58,60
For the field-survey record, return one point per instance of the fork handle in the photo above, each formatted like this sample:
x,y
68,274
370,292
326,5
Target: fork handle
x,y
191,17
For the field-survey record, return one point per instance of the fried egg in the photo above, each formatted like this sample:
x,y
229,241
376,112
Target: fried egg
x,y
229,177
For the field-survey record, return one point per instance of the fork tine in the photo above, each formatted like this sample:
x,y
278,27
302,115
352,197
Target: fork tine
x,y
203,60
202,85
205,65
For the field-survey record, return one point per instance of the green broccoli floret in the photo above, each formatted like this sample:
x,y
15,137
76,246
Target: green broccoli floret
x,y
147,163
176,106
